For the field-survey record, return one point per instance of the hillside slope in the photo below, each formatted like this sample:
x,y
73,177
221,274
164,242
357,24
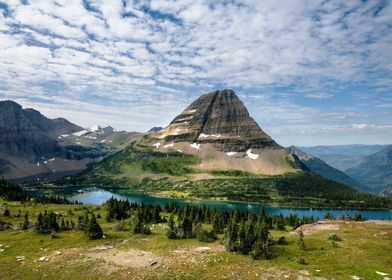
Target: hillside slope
x,y
375,170
320,167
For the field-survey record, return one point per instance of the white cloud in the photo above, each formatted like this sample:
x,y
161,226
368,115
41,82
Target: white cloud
x,y
158,52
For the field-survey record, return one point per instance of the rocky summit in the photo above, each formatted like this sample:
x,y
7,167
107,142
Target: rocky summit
x,y
218,129
219,118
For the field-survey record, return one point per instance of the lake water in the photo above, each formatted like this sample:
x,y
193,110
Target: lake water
x,y
99,196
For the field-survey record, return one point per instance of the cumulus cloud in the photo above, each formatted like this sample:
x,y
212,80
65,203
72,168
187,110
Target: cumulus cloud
x,y
293,62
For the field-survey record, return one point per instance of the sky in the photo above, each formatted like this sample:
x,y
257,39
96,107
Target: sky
x,y
310,72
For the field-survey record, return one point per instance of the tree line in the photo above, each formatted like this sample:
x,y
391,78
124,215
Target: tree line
x,y
15,193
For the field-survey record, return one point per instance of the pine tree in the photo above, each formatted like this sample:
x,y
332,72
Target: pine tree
x,y
260,247
171,232
231,236
138,223
217,223
26,222
186,226
93,229
250,235
6,212
280,223
301,242
62,224
242,241
39,225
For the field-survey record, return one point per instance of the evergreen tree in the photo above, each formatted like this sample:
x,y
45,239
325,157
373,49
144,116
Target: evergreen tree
x,y
242,239
138,223
231,236
280,223
250,235
26,222
186,226
171,232
93,229
260,248
39,225
62,224
6,212
217,223
301,242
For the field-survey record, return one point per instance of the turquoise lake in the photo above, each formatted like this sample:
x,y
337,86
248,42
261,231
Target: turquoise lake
x,y
98,196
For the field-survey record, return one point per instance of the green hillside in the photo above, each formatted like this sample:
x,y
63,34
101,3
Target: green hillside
x,y
139,169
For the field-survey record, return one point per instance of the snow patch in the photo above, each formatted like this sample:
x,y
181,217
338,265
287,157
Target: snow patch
x,y
103,141
91,137
195,146
52,159
180,151
168,145
37,163
94,128
46,162
231,153
185,119
157,145
251,155
63,136
80,133
202,135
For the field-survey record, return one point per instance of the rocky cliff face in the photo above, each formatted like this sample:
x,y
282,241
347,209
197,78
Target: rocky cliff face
x,y
32,144
221,119
24,132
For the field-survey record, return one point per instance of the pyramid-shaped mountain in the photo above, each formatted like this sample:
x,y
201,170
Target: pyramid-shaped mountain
x,y
218,129
219,118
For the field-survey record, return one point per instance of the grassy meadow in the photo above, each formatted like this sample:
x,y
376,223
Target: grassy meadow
x,y
365,248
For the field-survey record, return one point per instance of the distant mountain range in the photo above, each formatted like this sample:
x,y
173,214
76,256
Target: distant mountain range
x,y
342,157
375,171
370,165
33,146
320,167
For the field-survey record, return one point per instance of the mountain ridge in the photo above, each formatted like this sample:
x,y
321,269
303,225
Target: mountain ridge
x,y
33,146
320,167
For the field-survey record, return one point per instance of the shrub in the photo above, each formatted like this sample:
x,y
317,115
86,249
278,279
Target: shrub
x,y
334,237
282,241
6,213
301,261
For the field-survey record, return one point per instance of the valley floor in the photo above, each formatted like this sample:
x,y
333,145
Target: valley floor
x,y
364,253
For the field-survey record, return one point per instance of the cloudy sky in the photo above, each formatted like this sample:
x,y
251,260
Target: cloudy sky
x,y
310,72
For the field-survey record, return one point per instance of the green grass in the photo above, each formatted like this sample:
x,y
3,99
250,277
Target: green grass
x,y
363,250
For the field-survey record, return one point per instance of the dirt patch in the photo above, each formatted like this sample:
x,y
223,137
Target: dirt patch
x,y
380,222
202,176
131,258
309,229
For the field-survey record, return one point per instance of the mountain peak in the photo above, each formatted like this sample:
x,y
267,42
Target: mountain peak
x,y
221,119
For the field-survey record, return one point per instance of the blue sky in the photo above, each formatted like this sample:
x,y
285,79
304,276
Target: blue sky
x,y
310,72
